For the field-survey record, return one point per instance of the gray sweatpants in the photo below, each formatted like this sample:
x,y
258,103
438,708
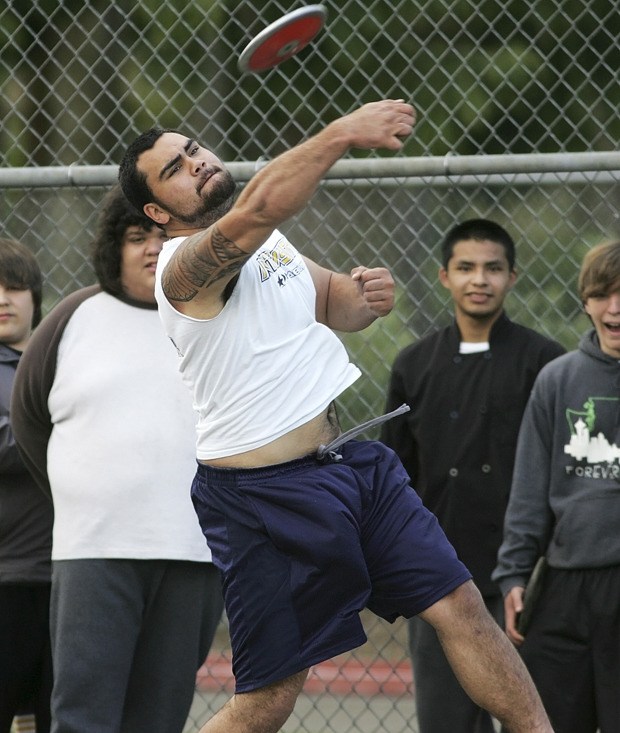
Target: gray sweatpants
x,y
127,639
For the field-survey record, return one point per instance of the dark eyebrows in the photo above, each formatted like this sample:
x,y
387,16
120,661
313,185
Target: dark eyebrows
x,y
489,263
495,263
171,163
461,262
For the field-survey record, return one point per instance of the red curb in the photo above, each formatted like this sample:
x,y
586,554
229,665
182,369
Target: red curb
x,y
349,677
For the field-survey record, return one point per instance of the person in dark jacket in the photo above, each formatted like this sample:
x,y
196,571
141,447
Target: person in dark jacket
x,y
26,514
467,385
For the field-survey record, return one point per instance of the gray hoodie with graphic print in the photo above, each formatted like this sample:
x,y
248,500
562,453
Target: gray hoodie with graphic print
x,y
565,496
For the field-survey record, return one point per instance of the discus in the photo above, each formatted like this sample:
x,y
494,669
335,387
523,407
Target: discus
x,y
282,39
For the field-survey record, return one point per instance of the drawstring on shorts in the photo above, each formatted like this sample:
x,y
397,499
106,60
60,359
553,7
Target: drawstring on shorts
x,y
329,450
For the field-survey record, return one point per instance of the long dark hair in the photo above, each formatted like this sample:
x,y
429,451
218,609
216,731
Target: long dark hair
x,y
116,215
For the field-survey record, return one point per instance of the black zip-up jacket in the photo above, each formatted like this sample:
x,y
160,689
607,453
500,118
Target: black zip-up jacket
x,y
458,441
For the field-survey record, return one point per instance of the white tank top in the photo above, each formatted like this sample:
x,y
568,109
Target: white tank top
x,y
263,366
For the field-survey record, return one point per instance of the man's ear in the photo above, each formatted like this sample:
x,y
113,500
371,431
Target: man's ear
x,y
157,214
513,277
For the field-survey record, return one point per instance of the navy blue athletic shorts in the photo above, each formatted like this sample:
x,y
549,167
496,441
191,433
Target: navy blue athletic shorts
x,y
304,546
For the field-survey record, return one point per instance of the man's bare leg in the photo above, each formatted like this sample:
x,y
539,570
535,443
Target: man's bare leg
x,y
260,711
485,662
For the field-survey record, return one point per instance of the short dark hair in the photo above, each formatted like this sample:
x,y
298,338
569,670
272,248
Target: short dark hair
x,y
131,180
19,269
600,271
117,213
480,230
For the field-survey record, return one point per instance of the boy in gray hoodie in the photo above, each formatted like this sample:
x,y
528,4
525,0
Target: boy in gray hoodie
x,y
565,505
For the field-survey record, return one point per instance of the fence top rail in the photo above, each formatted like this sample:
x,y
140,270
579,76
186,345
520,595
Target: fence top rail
x,y
349,168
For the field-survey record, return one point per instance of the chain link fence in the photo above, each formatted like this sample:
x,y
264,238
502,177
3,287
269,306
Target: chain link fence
x,y
518,122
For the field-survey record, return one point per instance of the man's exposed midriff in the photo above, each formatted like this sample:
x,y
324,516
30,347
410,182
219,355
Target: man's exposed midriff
x,y
301,441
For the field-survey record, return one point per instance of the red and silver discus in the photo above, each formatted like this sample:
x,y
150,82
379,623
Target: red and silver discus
x,y
282,39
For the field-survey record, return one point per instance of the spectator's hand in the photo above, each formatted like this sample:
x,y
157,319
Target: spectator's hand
x,y
513,605
377,288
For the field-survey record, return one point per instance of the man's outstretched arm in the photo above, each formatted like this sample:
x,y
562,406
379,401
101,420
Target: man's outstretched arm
x,y
485,662
210,258
286,184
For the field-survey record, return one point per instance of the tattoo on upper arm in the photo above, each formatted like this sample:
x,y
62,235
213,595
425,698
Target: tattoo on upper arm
x,y
200,264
